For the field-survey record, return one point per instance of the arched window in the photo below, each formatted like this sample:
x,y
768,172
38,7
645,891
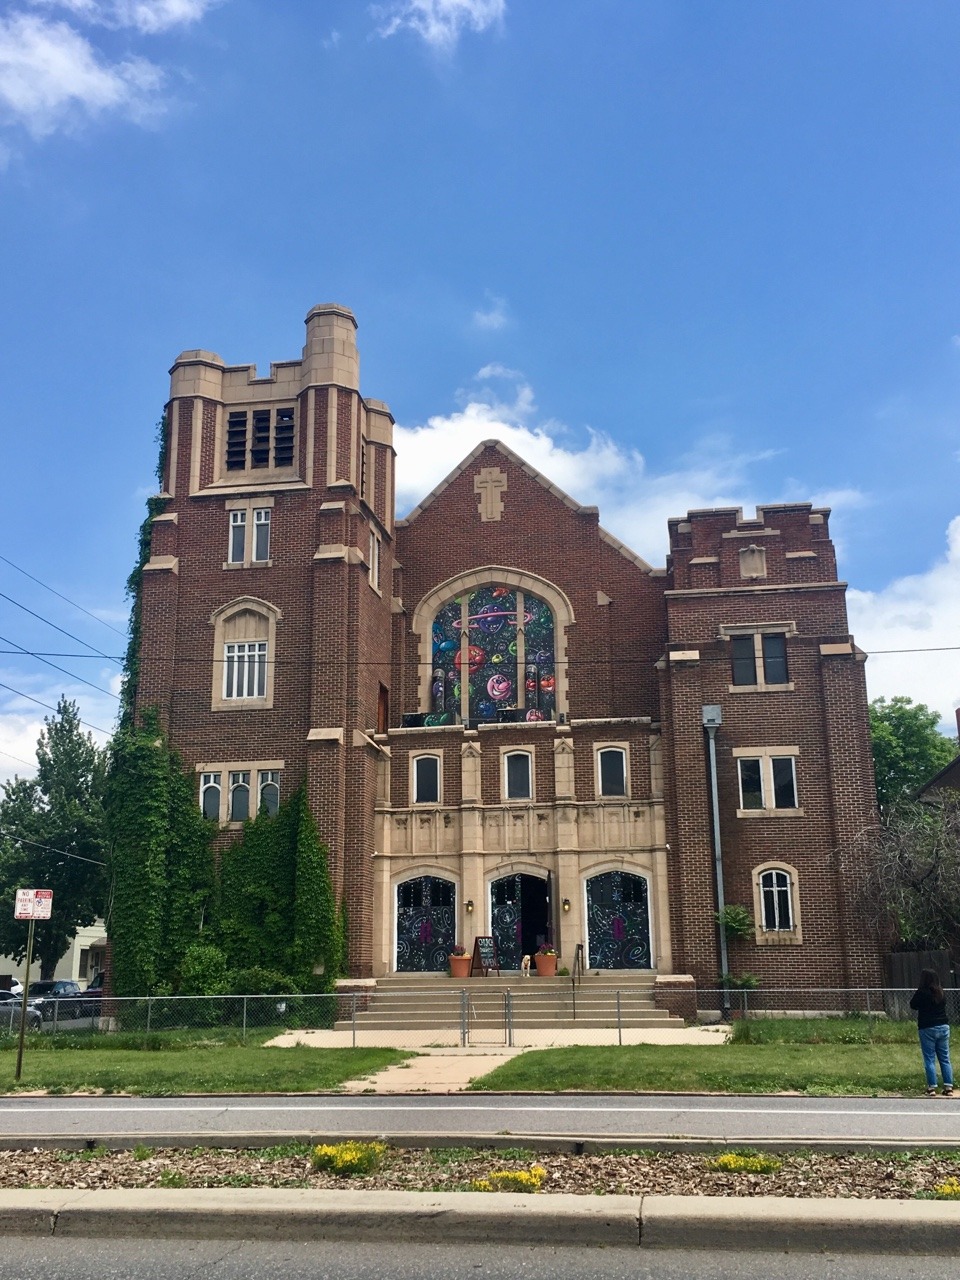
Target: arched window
x,y
426,779
210,796
612,771
240,795
776,904
493,657
269,791
244,647
517,775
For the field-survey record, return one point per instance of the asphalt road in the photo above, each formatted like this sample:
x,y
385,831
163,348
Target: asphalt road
x,y
229,1260
619,1117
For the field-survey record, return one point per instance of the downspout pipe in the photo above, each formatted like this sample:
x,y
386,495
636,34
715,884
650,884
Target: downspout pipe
x,y
712,720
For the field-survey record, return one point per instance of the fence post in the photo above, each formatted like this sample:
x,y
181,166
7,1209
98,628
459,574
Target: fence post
x,y
353,1020
149,1009
869,1010
508,1016
244,1036
56,1014
619,1022
464,1024
743,1007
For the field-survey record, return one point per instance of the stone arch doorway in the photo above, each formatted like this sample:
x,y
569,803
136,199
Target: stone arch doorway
x,y
618,921
426,924
519,916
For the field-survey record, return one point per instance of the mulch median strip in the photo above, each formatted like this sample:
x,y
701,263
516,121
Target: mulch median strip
x,y
883,1175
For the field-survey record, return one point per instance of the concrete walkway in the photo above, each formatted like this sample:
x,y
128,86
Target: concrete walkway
x,y
449,1068
768,1223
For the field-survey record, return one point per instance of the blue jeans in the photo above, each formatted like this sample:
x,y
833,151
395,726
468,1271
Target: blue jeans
x,y
935,1045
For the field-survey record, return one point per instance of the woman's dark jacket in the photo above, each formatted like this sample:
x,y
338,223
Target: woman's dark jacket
x,y
930,1012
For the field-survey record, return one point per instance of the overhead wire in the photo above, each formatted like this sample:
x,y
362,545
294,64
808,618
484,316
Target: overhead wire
x,y
63,671
10,835
47,622
30,698
60,596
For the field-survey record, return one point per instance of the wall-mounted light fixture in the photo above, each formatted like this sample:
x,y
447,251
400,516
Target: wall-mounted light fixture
x,y
468,906
565,904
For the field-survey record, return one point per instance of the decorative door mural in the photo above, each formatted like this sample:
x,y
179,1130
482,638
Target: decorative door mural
x,y
519,914
618,921
426,924
504,639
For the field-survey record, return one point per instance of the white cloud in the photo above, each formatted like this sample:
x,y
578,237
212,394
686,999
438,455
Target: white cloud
x,y
51,77
21,720
146,16
494,317
918,612
634,502
332,41
438,22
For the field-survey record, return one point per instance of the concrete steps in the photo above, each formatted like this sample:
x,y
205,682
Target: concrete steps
x,y
432,1002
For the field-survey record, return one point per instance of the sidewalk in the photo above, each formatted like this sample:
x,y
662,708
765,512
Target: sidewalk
x,y
649,1222
443,1066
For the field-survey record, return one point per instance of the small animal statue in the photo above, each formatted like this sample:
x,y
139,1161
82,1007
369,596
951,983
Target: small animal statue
x,y
525,967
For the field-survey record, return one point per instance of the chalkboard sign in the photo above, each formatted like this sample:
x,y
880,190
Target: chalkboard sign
x,y
484,956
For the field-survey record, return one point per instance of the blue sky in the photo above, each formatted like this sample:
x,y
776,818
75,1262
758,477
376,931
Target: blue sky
x,y
676,254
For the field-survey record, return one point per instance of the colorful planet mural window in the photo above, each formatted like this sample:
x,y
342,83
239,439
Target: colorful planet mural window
x,y
493,658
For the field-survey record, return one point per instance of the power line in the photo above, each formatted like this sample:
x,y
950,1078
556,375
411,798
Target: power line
x,y
29,698
20,760
54,653
63,671
47,622
73,603
50,849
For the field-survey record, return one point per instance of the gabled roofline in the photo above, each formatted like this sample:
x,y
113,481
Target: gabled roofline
x,y
541,479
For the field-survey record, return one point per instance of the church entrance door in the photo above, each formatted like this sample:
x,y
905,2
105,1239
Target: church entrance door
x,y
519,915
426,924
618,921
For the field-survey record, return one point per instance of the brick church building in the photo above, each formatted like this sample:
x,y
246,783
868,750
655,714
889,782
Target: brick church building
x,y
499,709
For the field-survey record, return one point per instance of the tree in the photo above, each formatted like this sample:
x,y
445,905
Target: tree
x,y
908,749
51,837
911,873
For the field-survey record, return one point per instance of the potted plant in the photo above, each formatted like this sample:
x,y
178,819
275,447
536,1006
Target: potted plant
x,y
459,962
546,961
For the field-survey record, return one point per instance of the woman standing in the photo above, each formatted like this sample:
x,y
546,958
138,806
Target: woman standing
x,y
934,1031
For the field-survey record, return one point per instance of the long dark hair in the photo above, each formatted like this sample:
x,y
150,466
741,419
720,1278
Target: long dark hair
x,y
930,981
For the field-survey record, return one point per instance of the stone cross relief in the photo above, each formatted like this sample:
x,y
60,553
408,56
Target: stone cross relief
x,y
488,486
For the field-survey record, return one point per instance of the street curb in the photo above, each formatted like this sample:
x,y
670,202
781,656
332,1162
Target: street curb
x,y
535,1143
775,1223
770,1223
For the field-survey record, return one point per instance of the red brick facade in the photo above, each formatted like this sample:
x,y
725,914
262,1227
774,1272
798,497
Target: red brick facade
x,y
346,686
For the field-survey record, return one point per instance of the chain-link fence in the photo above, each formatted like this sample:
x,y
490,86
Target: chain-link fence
x,y
476,1015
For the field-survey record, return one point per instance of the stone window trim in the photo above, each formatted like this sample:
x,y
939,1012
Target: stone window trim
x,y
563,617
374,562
766,757
758,630
268,616
249,506
426,755
624,749
505,754
223,769
776,937
261,474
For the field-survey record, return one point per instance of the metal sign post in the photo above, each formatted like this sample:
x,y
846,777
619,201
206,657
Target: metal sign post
x,y
32,905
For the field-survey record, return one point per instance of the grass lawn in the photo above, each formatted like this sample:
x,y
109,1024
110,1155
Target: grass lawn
x,y
819,1056
180,1063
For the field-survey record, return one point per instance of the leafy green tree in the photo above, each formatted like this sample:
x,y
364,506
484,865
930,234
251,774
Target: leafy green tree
x,y
908,748
52,837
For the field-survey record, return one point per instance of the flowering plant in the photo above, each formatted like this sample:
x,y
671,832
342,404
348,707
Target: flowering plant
x,y
546,950
458,951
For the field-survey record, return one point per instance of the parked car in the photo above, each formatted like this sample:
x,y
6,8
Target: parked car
x,y
60,994
10,1006
94,989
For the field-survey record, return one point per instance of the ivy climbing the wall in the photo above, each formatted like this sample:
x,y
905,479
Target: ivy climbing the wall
x,y
277,908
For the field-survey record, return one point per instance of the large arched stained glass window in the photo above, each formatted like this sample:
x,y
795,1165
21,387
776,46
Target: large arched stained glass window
x,y
493,658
